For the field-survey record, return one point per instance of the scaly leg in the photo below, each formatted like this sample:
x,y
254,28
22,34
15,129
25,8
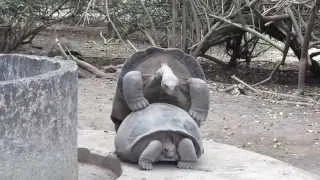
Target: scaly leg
x,y
150,154
199,95
133,91
187,154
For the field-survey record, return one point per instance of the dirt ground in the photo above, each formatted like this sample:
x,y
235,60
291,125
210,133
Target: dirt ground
x,y
272,126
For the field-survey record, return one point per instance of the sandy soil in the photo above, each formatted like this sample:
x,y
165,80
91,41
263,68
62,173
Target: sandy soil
x,y
288,132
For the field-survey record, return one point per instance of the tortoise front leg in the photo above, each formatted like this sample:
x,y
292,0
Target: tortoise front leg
x,y
133,91
187,154
150,154
199,95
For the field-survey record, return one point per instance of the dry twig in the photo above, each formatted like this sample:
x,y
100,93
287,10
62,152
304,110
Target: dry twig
x,y
266,93
133,47
151,40
214,59
245,84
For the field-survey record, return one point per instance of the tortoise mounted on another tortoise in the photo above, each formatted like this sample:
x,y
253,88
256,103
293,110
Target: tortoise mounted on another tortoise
x,y
161,75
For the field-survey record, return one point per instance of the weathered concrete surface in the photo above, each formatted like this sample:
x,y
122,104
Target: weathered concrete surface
x,y
220,162
38,118
92,172
107,161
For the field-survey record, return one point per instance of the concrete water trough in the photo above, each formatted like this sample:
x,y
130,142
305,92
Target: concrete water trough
x,y
38,118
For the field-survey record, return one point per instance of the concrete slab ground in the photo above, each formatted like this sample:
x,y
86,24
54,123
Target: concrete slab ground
x,y
220,162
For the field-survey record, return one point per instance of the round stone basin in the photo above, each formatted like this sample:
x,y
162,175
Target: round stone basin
x,y
38,118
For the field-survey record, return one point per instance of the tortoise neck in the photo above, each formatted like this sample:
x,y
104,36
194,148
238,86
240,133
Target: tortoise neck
x,y
164,72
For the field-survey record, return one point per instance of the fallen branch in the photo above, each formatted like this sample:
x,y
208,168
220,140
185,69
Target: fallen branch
x,y
291,102
245,84
97,72
230,88
61,49
264,93
151,40
239,87
82,64
250,30
289,96
216,60
133,47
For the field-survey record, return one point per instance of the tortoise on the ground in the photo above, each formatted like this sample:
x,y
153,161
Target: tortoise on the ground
x,y
160,132
161,75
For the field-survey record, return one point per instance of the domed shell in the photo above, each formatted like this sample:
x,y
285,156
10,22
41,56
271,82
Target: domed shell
x,y
148,61
157,117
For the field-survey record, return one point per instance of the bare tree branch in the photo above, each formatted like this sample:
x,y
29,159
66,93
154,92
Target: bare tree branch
x,y
250,30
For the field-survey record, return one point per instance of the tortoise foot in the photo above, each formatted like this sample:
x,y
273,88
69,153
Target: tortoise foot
x,y
139,104
150,154
144,165
198,116
185,165
187,154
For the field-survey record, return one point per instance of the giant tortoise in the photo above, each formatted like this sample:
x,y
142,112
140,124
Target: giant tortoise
x,y
159,132
161,75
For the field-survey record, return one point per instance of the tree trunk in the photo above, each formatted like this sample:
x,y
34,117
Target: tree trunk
x,y
172,36
305,46
184,26
195,20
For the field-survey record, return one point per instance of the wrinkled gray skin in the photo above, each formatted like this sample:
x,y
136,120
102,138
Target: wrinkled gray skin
x,y
159,132
161,75
166,149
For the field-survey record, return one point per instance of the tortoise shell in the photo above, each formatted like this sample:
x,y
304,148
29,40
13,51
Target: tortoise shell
x,y
146,123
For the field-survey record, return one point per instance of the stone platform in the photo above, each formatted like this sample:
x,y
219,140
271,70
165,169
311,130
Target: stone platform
x,y
220,162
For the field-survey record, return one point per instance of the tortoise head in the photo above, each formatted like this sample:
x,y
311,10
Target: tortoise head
x,y
169,150
169,81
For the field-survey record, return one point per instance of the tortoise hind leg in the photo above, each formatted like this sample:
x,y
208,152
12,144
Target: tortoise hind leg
x,y
133,91
187,154
199,95
150,154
